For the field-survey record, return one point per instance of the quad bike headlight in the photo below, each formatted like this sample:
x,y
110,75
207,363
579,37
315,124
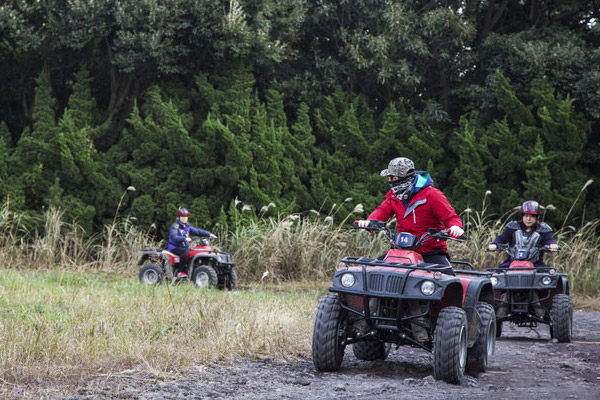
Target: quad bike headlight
x,y
546,280
494,280
427,288
348,280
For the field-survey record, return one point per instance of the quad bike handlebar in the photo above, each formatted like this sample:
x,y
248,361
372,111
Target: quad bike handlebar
x,y
432,233
506,247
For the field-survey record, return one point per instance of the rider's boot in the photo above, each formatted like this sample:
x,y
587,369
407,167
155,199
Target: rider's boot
x,y
502,311
419,332
537,307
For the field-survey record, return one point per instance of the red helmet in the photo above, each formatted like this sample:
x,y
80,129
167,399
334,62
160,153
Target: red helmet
x,y
182,212
530,207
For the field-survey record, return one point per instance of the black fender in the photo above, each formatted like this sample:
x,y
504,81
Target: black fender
x,y
477,290
564,285
453,294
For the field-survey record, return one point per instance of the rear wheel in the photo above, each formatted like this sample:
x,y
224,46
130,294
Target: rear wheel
x,y
371,351
328,342
477,356
450,345
204,276
151,274
562,318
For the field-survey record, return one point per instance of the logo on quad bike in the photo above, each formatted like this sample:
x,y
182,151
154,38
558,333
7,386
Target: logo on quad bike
x,y
402,300
206,266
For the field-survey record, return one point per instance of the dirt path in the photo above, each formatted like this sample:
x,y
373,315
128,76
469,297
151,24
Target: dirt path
x,y
527,364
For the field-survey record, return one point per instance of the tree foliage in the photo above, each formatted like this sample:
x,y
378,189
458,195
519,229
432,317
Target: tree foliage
x,y
239,108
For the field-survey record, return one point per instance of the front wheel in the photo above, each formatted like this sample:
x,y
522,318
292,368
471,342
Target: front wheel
x,y
450,345
477,356
233,279
204,276
151,274
328,342
562,318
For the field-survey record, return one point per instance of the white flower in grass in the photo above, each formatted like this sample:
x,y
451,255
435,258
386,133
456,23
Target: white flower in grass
x,y
293,217
264,275
488,192
358,208
347,199
315,212
328,218
236,201
468,210
550,207
588,183
131,189
246,208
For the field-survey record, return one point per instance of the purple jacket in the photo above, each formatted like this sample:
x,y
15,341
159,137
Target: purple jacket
x,y
179,232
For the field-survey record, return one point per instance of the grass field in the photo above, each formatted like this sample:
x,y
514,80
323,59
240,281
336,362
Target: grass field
x,y
56,323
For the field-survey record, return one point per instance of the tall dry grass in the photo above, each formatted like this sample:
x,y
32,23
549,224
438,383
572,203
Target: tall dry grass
x,y
277,249
65,245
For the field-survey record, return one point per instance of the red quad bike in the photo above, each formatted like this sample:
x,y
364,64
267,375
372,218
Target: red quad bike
x,y
374,303
206,266
532,295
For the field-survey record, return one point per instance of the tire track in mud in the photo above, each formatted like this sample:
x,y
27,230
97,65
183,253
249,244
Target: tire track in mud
x,y
527,364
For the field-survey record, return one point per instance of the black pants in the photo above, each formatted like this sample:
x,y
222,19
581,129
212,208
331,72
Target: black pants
x,y
182,252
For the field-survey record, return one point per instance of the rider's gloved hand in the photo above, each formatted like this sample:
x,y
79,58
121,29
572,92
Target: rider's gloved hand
x,y
213,236
553,247
492,247
456,231
363,223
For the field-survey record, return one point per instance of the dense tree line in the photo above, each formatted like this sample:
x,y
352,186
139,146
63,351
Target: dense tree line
x,y
292,106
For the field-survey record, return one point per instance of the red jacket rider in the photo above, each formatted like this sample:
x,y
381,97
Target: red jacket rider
x,y
418,206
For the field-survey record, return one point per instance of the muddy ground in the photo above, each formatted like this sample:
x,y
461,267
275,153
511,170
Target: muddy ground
x,y
527,364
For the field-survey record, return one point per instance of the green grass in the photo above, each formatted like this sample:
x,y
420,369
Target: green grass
x,y
53,322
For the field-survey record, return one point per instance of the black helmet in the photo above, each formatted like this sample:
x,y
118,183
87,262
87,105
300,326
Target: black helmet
x,y
530,207
182,212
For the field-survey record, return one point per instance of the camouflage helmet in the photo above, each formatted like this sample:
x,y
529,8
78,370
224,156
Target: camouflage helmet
x,y
399,166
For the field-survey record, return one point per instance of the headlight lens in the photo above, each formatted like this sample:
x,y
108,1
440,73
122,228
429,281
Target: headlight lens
x,y
546,280
348,280
494,280
427,288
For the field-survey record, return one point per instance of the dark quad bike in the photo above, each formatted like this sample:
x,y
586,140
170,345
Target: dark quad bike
x,y
374,303
532,295
206,266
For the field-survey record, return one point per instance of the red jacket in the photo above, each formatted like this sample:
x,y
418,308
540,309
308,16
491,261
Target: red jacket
x,y
428,208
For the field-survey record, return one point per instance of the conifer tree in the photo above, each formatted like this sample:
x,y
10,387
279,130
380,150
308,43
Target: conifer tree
x,y
539,178
470,176
34,156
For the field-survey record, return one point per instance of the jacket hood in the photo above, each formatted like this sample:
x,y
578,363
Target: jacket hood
x,y
422,180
